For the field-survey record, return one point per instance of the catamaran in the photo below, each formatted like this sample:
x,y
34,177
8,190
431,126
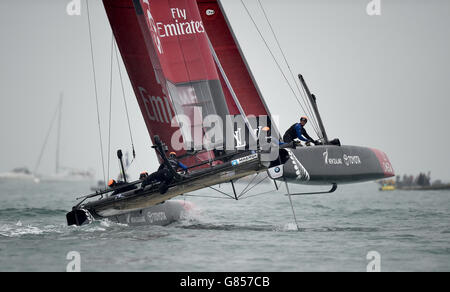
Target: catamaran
x,y
186,66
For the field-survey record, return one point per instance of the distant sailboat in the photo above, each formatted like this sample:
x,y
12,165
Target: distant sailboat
x,y
61,173
183,59
20,173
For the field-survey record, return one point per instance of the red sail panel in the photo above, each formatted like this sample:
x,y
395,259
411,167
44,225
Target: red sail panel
x,y
180,39
185,67
139,47
231,60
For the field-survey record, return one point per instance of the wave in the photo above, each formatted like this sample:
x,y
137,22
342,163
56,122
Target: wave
x,y
30,212
19,230
226,227
274,228
417,213
344,229
318,206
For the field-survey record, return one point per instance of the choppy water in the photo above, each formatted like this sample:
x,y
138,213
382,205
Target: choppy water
x,y
410,231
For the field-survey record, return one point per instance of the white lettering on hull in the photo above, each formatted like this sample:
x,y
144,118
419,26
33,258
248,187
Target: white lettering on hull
x,y
347,160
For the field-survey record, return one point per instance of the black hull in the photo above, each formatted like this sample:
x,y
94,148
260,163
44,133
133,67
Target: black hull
x,y
140,199
326,165
162,214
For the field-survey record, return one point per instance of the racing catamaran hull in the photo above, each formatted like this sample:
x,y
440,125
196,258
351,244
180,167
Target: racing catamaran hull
x,y
161,214
326,165
139,199
318,165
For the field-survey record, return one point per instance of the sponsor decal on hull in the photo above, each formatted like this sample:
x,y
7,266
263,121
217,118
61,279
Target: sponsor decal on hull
x,y
149,217
347,160
244,159
156,217
300,170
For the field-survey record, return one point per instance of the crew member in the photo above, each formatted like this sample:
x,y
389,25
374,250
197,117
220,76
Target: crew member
x,y
120,187
164,175
297,131
143,175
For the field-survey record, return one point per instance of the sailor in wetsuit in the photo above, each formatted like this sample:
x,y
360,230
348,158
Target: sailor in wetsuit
x,y
120,186
297,131
164,175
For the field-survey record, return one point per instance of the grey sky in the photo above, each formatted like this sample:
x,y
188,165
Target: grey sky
x,y
381,81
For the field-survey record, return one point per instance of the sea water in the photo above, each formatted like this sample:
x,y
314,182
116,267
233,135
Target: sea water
x,y
348,230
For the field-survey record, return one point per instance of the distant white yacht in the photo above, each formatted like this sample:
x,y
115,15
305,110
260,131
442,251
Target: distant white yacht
x,y
69,175
20,173
61,173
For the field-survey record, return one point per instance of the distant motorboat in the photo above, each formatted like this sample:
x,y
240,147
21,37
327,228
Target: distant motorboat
x,y
388,188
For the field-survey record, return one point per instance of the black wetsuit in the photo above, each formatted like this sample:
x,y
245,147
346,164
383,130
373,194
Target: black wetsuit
x,y
122,187
296,131
164,175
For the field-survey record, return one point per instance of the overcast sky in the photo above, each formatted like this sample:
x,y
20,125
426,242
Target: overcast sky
x,y
381,81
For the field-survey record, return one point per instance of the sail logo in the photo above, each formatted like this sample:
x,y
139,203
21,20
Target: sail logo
x,y
153,29
158,109
181,25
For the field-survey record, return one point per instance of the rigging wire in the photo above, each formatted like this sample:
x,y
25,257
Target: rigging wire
x,y
125,102
110,104
223,193
248,185
304,97
58,137
260,194
242,194
276,62
96,92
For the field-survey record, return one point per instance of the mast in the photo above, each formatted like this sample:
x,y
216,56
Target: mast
x,y
312,100
58,137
